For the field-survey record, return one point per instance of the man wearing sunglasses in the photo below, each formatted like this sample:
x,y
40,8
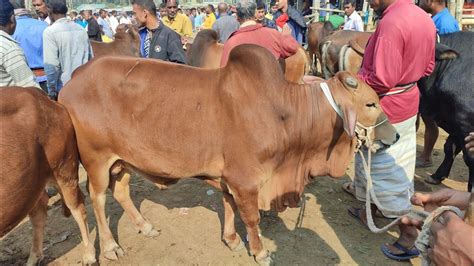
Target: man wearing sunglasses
x,y
177,21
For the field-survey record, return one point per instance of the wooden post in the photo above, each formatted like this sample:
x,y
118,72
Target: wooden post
x,y
459,8
452,7
328,6
316,4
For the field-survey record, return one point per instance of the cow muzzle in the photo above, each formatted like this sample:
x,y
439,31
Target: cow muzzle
x,y
376,137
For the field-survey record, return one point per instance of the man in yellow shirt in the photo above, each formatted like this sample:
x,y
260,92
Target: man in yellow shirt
x,y
177,21
210,17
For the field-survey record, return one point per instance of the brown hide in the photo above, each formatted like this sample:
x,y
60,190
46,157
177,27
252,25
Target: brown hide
x,y
330,49
206,52
127,43
242,128
317,31
37,146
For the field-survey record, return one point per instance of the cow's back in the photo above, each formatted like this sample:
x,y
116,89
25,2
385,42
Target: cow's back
x,y
35,133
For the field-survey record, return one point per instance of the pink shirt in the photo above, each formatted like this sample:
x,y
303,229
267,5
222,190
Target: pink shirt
x,y
401,51
281,46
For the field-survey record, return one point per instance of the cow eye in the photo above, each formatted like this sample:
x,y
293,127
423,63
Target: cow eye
x,y
370,105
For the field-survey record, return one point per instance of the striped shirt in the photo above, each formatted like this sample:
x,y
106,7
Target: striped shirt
x,y
14,70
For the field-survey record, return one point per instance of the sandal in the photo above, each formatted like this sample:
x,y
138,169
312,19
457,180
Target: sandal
x,y
423,164
408,253
356,214
349,188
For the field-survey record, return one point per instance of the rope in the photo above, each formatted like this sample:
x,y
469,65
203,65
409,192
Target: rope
x,y
422,242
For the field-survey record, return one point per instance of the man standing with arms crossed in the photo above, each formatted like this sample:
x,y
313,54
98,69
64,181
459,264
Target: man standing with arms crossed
x,y
395,58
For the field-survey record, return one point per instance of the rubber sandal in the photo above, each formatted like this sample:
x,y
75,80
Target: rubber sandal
x,y
407,255
349,188
423,164
357,215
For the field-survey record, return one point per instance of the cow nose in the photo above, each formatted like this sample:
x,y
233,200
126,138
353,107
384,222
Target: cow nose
x,y
397,137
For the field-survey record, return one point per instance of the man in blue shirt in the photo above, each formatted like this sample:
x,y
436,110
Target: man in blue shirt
x,y
29,34
445,23
104,24
443,20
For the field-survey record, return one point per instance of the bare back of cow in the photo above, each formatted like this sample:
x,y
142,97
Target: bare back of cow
x,y
37,146
259,144
126,43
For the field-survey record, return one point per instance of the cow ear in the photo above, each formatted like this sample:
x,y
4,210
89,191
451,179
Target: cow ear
x,y
444,52
349,118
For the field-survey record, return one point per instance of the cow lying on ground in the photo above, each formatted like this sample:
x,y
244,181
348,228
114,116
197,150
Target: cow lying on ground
x,y
243,129
343,51
317,31
206,52
127,42
37,146
448,97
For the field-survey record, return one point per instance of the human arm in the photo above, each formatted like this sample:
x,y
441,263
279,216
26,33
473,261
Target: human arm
x,y
359,25
175,49
51,62
187,27
288,45
14,63
296,16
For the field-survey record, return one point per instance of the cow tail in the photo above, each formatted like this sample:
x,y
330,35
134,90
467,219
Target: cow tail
x,y
324,55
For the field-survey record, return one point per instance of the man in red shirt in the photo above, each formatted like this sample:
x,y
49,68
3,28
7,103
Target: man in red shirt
x,y
281,45
395,58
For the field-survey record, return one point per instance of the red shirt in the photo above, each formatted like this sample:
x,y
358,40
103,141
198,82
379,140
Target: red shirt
x,y
281,46
400,51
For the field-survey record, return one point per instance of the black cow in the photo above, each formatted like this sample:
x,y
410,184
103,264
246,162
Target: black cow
x,y
448,97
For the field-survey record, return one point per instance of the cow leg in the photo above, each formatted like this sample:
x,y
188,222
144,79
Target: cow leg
x,y
38,217
450,152
230,236
247,203
98,183
470,164
121,191
74,200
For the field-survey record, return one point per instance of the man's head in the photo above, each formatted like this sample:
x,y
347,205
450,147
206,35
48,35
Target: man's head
x,y
41,8
222,8
432,6
349,7
144,10
163,10
87,14
193,11
282,4
210,9
260,13
102,13
172,6
246,10
57,9
7,17
379,6
114,13
73,14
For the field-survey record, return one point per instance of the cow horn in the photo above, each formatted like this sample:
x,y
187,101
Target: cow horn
x,y
351,82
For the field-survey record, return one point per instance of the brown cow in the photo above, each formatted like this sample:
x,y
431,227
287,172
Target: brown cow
x,y
37,146
127,42
335,58
317,31
206,52
243,128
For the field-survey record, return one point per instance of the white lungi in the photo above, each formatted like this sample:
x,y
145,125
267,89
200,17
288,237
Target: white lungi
x,y
392,170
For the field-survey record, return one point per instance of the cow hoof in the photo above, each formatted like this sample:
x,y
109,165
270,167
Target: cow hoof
x,y
149,231
235,246
264,258
88,257
34,259
114,253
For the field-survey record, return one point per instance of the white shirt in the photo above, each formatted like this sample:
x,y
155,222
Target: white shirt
x,y
125,20
113,23
353,22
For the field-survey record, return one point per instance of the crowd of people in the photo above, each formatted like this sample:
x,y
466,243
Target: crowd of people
x,y
42,49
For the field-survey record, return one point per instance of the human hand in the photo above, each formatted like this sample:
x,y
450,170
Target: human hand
x,y
53,94
470,144
451,241
286,30
441,197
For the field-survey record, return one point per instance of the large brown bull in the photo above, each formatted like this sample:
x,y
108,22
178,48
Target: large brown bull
x,y
37,146
343,51
317,31
127,43
243,129
206,52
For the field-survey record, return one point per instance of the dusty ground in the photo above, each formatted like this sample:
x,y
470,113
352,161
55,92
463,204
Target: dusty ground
x,y
190,222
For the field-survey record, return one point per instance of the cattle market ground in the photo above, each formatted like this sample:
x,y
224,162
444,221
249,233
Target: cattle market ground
x,y
189,215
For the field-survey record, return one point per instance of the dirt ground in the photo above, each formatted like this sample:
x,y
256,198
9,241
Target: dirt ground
x,y
189,215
